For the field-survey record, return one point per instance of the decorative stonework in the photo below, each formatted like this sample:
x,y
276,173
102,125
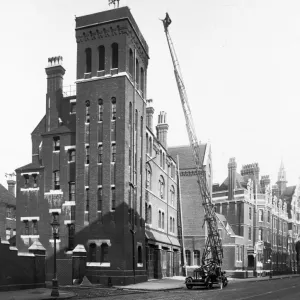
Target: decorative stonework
x,y
54,199
188,173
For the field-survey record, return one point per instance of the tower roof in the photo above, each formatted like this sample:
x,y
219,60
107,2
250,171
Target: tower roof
x,y
281,173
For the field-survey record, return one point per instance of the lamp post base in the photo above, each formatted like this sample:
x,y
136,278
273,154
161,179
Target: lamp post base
x,y
54,292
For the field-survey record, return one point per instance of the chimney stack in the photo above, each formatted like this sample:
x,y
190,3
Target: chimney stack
x,y
162,128
265,180
231,177
11,183
149,114
55,73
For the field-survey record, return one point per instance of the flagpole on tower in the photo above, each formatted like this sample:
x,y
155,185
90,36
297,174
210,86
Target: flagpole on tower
x,y
114,3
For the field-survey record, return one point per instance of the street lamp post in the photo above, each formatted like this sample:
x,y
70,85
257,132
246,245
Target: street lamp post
x,y
55,227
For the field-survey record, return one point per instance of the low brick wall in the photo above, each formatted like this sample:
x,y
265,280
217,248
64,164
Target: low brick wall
x,y
20,271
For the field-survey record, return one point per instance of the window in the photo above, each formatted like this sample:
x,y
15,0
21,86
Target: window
x,y
163,220
92,252
113,108
100,110
35,180
100,153
161,186
197,257
87,154
149,214
87,111
104,253
159,219
56,143
10,212
174,226
56,180
171,224
150,147
88,60
87,199
260,234
269,216
71,234
172,191
148,176
101,52
188,257
160,158
130,62
137,72
250,234
72,191
140,256
100,199
142,81
114,55
26,180
113,153
113,198
72,155
163,161
260,215
73,108
26,228
250,213
34,227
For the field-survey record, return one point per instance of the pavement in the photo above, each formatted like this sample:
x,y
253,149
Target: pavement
x,y
34,294
165,284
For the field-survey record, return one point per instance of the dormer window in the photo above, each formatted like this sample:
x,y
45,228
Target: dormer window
x,y
26,180
35,183
56,143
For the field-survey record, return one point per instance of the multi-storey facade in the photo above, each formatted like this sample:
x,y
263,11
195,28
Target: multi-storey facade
x,y
8,211
163,247
89,160
257,213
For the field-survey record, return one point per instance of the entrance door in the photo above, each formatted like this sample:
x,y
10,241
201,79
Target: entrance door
x,y
175,263
250,262
150,262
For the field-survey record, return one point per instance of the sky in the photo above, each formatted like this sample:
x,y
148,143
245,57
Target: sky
x,y
239,59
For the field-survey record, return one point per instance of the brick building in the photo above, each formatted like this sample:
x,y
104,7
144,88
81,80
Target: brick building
x,y
257,213
8,211
192,210
89,161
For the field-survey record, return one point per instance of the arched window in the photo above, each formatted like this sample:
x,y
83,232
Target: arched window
x,y
114,55
130,113
142,81
100,109
147,144
159,219
104,253
92,252
161,186
140,256
149,214
164,161
160,158
88,60
148,177
150,147
171,224
136,120
146,213
87,111
113,108
130,62
172,191
197,257
188,257
101,52
137,70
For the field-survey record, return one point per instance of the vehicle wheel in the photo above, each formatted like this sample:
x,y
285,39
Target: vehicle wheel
x,y
225,282
189,282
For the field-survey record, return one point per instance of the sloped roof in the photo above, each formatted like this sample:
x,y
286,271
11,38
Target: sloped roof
x,y
6,196
40,126
186,156
28,167
59,130
239,181
225,223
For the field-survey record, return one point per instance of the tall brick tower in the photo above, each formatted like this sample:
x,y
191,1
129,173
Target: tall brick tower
x,y
231,178
281,181
112,59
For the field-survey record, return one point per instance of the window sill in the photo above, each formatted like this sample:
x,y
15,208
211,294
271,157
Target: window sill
x,y
98,264
30,236
101,73
29,189
52,241
56,151
114,71
87,75
139,265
